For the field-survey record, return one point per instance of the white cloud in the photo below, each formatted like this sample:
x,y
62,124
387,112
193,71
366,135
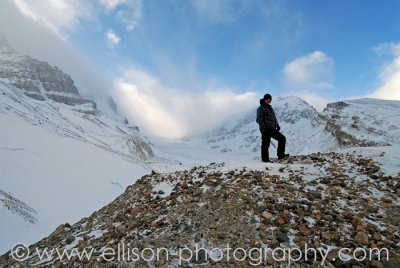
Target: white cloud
x,y
111,4
390,73
313,71
61,16
165,112
128,12
112,37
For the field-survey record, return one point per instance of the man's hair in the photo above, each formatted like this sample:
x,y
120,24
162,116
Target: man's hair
x,y
267,97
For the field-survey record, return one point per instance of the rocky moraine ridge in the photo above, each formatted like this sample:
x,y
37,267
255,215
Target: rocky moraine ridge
x,y
323,201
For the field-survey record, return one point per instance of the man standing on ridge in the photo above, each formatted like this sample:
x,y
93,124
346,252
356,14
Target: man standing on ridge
x,y
269,128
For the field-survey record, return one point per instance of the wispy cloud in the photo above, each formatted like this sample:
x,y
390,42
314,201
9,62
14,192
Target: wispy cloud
x,y
282,27
112,38
131,15
278,26
222,11
128,12
112,4
389,76
313,71
166,112
61,16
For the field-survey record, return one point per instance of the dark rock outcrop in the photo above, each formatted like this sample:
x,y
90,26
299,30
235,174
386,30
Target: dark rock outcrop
x,y
39,80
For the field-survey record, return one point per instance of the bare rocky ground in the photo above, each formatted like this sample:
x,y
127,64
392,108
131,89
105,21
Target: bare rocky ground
x,y
315,205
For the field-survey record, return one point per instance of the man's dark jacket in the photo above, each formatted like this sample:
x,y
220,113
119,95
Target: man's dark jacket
x,y
266,118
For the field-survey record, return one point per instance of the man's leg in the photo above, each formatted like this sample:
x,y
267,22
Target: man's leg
x,y
265,142
281,143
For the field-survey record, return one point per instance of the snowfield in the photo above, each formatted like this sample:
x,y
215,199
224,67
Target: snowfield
x,y
57,165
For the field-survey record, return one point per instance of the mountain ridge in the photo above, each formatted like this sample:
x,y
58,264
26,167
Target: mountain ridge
x,y
308,130
369,122
39,80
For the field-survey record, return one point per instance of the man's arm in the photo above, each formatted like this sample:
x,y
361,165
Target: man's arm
x,y
276,120
260,119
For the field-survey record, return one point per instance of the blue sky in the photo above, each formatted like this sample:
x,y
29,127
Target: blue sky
x,y
245,44
164,57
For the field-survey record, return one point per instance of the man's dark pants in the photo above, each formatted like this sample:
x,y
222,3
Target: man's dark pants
x,y
266,136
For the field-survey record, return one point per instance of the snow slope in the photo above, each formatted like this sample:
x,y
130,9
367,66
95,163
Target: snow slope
x,y
60,178
59,163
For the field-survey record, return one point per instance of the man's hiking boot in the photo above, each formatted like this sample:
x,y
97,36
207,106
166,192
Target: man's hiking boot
x,y
283,157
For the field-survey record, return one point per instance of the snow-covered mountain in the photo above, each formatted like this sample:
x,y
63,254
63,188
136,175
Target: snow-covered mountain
x,y
38,79
364,122
60,156
302,125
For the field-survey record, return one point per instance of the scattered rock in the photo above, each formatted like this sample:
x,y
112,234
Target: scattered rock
x,y
376,264
337,206
281,221
267,216
69,240
184,185
361,238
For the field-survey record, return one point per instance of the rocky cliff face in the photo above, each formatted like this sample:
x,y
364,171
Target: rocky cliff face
x,y
321,201
38,79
